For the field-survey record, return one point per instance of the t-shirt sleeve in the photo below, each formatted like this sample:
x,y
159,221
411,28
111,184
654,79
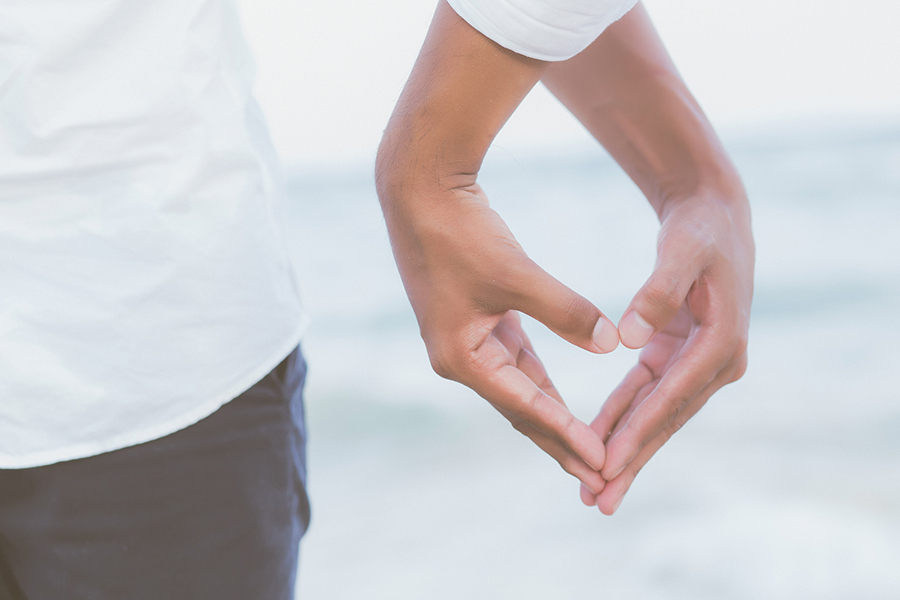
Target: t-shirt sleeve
x,y
544,29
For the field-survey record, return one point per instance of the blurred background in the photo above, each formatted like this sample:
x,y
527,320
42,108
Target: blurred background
x,y
786,485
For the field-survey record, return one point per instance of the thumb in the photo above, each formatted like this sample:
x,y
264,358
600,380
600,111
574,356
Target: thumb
x,y
566,313
656,303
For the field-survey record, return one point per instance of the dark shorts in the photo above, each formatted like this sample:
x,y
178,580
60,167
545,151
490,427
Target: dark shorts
x,y
214,511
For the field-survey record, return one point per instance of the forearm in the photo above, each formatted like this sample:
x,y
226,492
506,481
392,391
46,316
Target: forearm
x,y
627,93
691,317
461,91
466,276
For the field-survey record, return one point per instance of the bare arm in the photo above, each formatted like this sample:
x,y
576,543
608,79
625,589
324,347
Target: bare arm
x,y
464,272
692,315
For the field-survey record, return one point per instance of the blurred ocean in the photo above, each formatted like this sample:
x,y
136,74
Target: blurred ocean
x,y
785,486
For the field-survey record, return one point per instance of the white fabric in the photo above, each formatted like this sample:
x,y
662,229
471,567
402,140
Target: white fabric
x,y
143,278
550,30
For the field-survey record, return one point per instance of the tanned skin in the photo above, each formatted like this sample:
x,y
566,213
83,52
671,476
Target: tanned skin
x,y
468,278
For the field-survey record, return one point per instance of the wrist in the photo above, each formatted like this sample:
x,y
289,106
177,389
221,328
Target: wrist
x,y
415,177
716,217
714,186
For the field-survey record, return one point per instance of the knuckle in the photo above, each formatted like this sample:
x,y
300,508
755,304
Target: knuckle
x,y
521,413
740,345
739,369
673,415
675,425
544,383
672,411
457,362
664,294
565,427
579,315
445,363
442,364
530,401
633,469
569,466
635,439
520,425
440,367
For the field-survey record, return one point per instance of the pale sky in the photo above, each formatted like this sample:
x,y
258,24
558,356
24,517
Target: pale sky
x,y
328,73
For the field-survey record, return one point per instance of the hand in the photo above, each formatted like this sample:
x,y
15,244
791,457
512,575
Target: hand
x,y
466,277
691,318
464,272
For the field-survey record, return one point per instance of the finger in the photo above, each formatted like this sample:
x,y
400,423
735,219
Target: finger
x,y
526,343
620,399
531,365
639,397
512,392
609,500
510,333
634,402
569,461
565,312
588,497
621,403
698,363
661,297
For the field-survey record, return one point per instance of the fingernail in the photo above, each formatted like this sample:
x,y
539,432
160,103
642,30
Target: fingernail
x,y
606,336
634,330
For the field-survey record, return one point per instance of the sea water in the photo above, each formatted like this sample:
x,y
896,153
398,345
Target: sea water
x,y
785,486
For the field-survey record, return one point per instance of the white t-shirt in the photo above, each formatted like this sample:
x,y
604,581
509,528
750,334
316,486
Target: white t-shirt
x,y
143,277
543,29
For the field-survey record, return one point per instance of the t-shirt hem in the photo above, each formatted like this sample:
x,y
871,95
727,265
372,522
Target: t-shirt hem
x,y
554,48
160,430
